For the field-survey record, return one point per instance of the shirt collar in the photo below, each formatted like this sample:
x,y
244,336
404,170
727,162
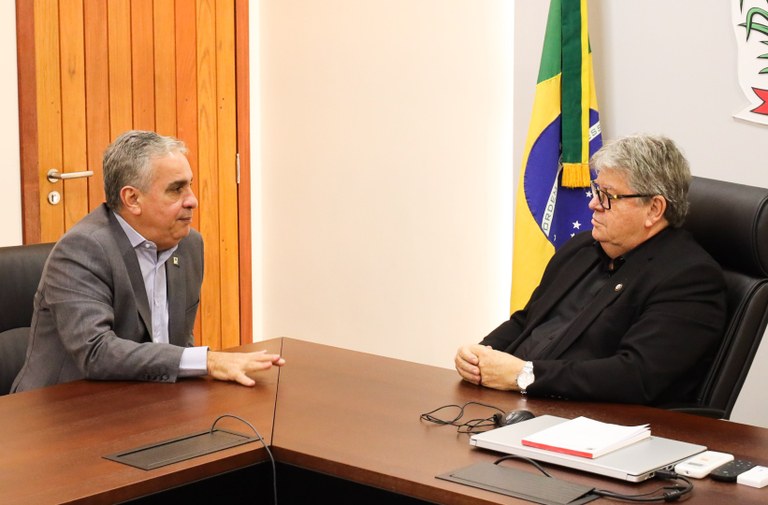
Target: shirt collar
x,y
136,239
607,264
612,266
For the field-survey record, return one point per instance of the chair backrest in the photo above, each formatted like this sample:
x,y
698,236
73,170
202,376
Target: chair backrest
x,y
731,222
20,270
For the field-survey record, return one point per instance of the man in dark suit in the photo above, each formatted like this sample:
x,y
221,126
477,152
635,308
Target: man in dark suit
x,y
631,312
120,290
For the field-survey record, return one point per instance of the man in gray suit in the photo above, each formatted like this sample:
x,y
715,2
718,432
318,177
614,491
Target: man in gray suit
x,y
120,291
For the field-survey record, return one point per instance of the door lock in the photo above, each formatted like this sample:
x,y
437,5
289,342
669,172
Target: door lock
x,y
54,197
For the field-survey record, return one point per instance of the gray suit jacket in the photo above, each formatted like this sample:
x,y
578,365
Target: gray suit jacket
x,y
92,317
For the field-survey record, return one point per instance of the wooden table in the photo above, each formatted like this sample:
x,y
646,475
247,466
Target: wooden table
x,y
53,439
332,413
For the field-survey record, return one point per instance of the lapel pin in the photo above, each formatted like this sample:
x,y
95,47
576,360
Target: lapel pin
x,y
618,287
175,261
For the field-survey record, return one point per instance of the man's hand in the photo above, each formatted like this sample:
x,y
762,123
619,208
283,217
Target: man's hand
x,y
241,366
499,370
467,362
482,365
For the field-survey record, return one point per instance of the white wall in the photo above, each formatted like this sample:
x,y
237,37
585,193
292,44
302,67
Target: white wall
x,y
10,181
386,154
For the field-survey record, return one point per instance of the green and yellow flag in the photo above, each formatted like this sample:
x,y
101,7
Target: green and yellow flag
x,y
553,193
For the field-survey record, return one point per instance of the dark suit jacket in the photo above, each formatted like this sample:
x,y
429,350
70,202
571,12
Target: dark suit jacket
x,y
92,317
647,337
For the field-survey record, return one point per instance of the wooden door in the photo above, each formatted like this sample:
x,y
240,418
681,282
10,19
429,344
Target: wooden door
x,y
91,69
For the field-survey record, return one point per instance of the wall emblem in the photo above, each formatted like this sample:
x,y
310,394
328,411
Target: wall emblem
x,y
750,23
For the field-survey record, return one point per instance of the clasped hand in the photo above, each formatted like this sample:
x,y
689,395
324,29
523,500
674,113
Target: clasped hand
x,y
482,365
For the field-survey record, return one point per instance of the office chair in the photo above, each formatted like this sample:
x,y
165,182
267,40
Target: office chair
x,y
731,222
20,270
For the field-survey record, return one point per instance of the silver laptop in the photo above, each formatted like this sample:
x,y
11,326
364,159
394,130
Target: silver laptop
x,y
634,463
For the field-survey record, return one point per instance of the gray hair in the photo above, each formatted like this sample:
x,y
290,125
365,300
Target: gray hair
x,y
653,165
128,161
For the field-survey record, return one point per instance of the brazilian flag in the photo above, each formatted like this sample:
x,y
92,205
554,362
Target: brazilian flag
x,y
553,193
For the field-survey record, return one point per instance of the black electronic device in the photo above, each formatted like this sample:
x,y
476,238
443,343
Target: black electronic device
x,y
731,470
512,417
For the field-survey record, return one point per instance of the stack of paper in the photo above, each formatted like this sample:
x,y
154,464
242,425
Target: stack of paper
x,y
586,437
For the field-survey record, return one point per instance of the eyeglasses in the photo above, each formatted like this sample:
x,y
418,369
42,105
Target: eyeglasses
x,y
605,198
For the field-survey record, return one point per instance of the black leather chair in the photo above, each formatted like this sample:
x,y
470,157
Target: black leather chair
x,y
20,271
731,222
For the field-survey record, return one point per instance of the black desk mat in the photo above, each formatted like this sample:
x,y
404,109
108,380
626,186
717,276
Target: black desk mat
x,y
528,486
163,453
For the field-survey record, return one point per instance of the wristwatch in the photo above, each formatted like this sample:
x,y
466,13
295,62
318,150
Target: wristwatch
x,y
526,377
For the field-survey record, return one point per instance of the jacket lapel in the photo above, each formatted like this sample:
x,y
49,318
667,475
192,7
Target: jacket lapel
x,y
134,272
584,260
573,270
616,286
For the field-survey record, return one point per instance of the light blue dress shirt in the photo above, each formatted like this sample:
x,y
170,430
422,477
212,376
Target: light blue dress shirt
x,y
194,360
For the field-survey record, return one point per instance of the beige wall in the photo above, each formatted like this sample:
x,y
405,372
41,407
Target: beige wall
x,y
385,171
10,185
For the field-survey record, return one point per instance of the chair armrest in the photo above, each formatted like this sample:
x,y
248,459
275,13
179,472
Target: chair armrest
x,y
701,411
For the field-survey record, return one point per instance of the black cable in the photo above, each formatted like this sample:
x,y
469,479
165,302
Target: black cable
x,y
671,493
477,425
529,460
471,426
258,435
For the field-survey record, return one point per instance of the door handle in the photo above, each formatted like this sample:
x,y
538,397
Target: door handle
x,y
54,175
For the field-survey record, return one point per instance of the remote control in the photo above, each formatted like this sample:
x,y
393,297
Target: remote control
x,y
729,471
701,464
755,477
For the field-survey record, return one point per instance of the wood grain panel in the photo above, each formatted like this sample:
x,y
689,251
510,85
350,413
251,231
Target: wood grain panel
x,y
227,162
49,113
186,104
72,47
97,94
165,67
244,154
209,181
143,64
120,96
92,69
30,185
